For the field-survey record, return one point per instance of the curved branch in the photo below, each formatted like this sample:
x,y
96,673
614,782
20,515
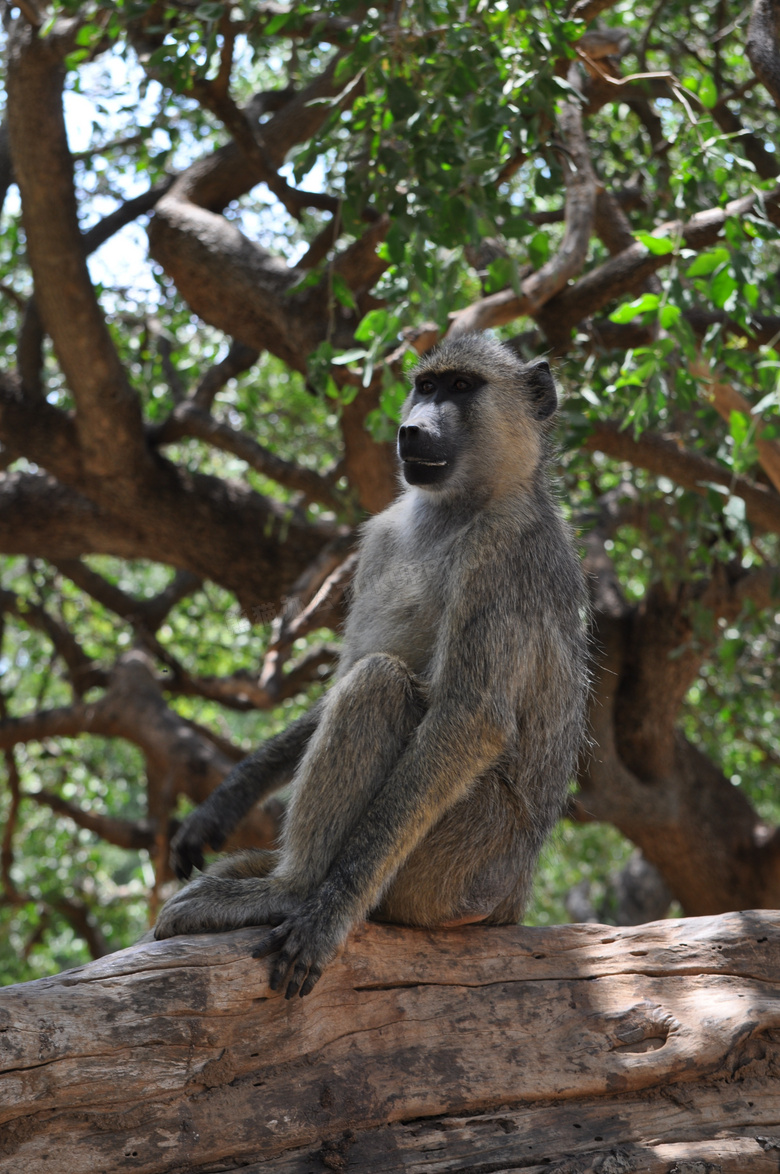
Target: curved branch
x,y
188,420
82,671
536,290
125,833
726,399
35,428
126,213
146,613
238,359
253,546
623,273
108,413
664,457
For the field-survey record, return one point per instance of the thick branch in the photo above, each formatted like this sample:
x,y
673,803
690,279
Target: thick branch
x,y
36,429
108,416
234,536
763,45
649,1049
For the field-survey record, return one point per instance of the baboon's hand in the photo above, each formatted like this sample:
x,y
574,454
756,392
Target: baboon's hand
x,y
214,904
187,845
306,942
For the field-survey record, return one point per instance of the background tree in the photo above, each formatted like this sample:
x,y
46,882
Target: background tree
x,y
189,440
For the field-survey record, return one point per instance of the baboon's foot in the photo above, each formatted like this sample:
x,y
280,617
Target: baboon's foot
x,y
213,904
305,943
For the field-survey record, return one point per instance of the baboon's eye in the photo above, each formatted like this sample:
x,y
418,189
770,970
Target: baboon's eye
x,y
462,385
426,386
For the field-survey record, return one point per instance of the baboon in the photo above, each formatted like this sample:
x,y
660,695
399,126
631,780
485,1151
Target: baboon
x,y
427,778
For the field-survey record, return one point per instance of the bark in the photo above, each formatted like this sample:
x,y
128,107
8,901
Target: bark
x,y
763,45
575,1048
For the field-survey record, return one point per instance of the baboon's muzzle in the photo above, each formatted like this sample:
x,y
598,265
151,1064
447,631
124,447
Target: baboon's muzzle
x,y
425,455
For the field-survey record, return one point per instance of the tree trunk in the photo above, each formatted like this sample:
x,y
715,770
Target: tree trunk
x,y
571,1049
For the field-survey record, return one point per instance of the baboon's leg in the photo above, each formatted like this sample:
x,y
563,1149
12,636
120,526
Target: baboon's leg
x,y
366,723
475,865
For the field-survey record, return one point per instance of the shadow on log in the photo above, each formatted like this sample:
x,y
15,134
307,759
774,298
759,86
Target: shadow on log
x,y
578,1048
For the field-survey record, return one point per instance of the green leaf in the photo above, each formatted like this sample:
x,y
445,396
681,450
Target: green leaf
x,y
278,22
669,315
87,34
738,427
707,262
499,274
708,91
723,287
373,324
629,310
342,293
539,249
659,246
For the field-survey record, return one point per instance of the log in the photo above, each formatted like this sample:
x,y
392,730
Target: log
x,y
652,1049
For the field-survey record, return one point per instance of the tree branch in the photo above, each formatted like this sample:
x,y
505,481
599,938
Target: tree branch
x,y
537,289
188,420
233,535
664,457
624,272
108,413
238,359
125,833
126,213
763,45
82,671
726,399
144,613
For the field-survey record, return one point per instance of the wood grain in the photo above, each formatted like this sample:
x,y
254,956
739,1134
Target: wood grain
x,y
576,1048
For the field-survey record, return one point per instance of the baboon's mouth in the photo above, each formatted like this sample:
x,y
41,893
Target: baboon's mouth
x,y
420,461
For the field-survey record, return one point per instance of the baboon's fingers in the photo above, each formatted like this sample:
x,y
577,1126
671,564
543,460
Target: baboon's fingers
x,y
272,941
315,973
298,976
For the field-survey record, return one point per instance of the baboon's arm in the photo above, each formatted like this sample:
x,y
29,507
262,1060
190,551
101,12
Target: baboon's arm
x,y
252,779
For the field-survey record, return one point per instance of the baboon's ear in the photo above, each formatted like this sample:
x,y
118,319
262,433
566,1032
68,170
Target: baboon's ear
x,y
540,387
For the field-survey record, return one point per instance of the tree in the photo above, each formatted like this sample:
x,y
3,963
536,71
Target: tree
x,y
329,189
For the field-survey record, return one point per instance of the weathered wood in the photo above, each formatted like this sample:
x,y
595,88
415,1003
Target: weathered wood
x,y
577,1048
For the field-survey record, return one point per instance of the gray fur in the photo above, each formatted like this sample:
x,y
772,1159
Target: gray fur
x,y
439,761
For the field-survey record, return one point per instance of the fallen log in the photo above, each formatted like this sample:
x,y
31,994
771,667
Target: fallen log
x,y
653,1049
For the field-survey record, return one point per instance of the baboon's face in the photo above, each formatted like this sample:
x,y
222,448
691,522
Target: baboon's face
x,y
432,439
